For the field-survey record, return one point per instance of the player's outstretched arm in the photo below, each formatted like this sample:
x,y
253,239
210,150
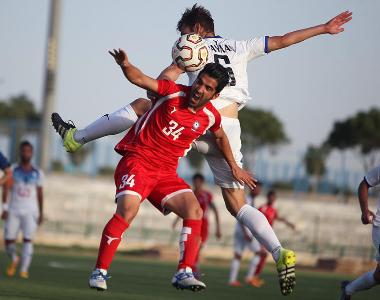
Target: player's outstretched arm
x,y
171,72
367,215
334,26
239,174
132,73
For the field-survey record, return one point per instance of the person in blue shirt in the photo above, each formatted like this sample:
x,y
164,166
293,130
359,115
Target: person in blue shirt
x,y
5,166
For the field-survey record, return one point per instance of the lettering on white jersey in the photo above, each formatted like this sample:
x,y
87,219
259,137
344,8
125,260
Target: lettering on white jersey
x,y
234,56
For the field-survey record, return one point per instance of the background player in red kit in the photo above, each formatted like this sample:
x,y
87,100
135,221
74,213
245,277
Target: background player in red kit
x,y
270,212
205,200
151,151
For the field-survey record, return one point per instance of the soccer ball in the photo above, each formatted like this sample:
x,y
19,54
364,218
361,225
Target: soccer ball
x,y
190,52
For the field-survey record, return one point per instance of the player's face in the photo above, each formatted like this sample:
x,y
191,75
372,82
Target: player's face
x,y
271,199
203,90
26,154
197,183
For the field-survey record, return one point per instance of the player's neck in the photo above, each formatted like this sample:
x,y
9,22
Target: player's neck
x,y
197,191
26,166
209,34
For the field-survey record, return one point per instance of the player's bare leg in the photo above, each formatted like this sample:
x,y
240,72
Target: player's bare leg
x,y
256,222
127,208
186,206
109,124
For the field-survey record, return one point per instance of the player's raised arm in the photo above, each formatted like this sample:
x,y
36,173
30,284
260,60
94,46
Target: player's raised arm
x,y
224,146
334,26
171,72
132,73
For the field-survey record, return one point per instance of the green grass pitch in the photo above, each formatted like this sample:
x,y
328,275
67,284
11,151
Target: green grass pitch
x,y
64,277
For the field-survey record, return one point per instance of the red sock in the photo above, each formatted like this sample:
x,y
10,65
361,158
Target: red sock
x,y
261,265
189,243
111,239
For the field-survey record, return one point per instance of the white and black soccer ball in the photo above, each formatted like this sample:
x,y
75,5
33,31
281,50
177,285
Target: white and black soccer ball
x,y
190,52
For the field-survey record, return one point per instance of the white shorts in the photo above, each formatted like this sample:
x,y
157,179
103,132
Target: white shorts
x,y
218,165
376,241
240,243
26,222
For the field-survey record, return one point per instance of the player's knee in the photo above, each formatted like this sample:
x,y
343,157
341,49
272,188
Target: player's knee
x,y
27,240
8,242
198,213
141,106
237,256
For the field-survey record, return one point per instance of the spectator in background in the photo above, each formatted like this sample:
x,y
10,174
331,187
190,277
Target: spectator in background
x,y
5,166
271,213
205,200
23,211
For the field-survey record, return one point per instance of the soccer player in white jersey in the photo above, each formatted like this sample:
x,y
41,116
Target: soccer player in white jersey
x,y
234,55
371,278
244,239
22,210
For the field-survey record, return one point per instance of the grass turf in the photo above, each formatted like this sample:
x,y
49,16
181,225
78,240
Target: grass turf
x,y
61,276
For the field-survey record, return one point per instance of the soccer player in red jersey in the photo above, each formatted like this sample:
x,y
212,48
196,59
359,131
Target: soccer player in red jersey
x,y
151,151
205,200
270,212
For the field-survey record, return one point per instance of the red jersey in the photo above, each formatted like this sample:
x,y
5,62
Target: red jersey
x,y
204,199
165,133
269,212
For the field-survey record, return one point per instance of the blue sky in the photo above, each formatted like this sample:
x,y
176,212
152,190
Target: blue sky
x,y
308,86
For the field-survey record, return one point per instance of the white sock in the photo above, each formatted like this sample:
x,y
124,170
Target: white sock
x,y
252,266
258,224
364,282
11,251
109,124
26,258
235,265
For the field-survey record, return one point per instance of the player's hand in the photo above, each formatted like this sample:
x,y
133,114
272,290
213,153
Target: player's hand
x,y
244,177
120,56
4,215
367,217
334,26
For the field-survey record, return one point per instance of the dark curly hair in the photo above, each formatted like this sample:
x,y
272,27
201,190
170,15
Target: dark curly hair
x,y
194,15
218,72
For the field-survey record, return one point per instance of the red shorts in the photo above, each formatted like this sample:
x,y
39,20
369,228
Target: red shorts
x,y
134,177
204,230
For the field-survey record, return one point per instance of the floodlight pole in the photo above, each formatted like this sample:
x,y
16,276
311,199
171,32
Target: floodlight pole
x,y
49,86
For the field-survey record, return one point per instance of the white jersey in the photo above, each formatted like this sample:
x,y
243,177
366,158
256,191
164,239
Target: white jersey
x,y
233,55
373,179
23,196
